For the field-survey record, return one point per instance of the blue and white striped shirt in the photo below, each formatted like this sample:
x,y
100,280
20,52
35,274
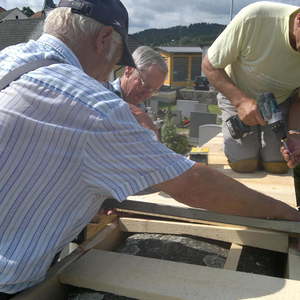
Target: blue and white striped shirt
x,y
66,144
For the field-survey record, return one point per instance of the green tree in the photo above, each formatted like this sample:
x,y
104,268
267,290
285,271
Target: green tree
x,y
176,142
27,11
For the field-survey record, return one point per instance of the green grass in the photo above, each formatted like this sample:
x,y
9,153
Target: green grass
x,y
166,105
183,131
214,109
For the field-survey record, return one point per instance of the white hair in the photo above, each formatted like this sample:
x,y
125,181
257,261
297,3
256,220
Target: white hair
x,y
62,23
145,56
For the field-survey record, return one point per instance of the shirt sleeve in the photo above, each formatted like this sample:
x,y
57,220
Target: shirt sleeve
x,y
122,158
232,42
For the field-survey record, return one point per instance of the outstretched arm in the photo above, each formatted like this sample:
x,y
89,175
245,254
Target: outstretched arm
x,y
204,187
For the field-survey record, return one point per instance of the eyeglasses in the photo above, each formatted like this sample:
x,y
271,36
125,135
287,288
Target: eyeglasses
x,y
144,85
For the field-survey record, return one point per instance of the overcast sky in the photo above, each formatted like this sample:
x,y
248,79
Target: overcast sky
x,y
145,14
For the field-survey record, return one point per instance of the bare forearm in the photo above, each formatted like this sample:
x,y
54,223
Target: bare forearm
x,y
206,188
220,80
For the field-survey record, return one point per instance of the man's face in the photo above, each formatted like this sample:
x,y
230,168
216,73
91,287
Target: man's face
x,y
110,55
113,56
140,85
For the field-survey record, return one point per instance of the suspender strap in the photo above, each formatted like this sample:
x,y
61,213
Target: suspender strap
x,y
16,73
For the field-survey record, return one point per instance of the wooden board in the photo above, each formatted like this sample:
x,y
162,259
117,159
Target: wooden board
x,y
194,214
93,228
280,187
293,260
148,279
270,240
233,257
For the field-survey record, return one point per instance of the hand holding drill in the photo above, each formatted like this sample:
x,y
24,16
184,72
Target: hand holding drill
x,y
270,113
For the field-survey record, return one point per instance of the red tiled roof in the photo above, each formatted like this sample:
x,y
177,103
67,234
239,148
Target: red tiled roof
x,y
38,14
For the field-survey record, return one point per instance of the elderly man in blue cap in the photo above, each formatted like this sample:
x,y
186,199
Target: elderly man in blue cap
x,y
67,143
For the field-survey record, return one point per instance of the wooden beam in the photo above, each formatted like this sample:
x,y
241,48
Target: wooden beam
x,y
93,228
293,260
198,215
104,239
148,279
270,240
233,257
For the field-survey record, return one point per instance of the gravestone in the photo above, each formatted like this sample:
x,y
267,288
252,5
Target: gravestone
x,y
168,97
187,107
198,119
208,97
154,104
177,117
207,132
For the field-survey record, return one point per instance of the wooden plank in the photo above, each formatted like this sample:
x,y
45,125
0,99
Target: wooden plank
x,y
102,238
233,257
102,220
148,279
274,185
270,240
293,260
194,214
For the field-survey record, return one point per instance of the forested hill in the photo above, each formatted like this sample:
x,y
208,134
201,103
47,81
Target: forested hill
x,y
198,34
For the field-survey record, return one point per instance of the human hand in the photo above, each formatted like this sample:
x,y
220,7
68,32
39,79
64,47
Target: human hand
x,y
248,112
143,118
292,154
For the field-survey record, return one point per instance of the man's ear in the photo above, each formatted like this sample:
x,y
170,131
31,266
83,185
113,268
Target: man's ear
x,y
103,39
297,19
128,71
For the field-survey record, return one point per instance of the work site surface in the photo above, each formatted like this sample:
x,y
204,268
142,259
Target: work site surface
x,y
170,251
280,187
191,250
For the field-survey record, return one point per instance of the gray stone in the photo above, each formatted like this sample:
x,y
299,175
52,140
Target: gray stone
x,y
188,106
198,119
206,132
177,117
177,248
208,97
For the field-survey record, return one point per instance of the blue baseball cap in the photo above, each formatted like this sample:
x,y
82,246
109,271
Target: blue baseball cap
x,y
108,12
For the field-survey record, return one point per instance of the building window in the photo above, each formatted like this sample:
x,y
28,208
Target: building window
x,y
196,66
180,69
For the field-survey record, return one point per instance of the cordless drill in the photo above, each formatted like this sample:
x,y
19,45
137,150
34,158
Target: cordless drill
x,y
270,112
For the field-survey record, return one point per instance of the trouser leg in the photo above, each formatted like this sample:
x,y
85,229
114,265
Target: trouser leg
x,y
260,148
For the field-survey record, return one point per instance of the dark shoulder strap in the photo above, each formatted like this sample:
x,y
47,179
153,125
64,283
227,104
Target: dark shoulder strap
x,y
16,73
